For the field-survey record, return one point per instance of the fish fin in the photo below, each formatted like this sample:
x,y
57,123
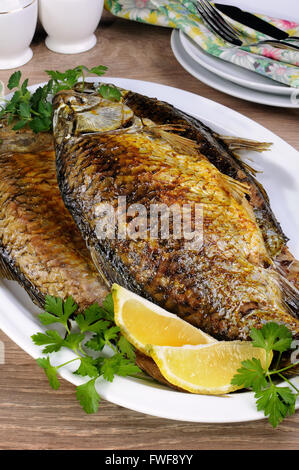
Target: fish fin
x,y
179,143
6,272
237,188
246,165
288,266
262,190
97,263
239,143
290,294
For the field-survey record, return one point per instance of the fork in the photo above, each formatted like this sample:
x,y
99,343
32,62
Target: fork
x,y
225,31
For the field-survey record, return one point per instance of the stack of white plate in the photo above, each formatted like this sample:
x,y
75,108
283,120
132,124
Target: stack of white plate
x,y
233,79
230,78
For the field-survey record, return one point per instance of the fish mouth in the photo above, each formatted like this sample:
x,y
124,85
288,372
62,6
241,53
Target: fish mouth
x,y
77,113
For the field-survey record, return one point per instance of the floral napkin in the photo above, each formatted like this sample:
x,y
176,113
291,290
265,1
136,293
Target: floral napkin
x,y
278,64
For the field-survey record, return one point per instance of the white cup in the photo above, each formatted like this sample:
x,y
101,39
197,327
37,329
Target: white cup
x,y
70,24
18,19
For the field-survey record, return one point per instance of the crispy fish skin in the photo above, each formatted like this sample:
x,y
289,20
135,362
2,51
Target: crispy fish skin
x,y
220,155
40,246
228,286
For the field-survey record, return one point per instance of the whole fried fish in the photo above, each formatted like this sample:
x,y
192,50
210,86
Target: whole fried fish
x,y
40,245
151,153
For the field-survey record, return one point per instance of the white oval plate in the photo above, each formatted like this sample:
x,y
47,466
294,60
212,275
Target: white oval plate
x,y
18,315
232,72
226,86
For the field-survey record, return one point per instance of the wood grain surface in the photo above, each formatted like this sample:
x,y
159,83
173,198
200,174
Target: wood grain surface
x,y
33,416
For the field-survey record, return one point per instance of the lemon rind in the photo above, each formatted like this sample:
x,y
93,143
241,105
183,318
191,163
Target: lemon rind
x,y
121,295
157,355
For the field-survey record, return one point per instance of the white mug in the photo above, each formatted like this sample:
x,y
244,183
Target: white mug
x,y
70,24
18,19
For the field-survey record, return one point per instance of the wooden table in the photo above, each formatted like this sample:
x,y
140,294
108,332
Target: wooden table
x,y
33,416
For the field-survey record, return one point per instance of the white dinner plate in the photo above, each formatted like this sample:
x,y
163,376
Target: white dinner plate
x,y
232,72
227,86
18,317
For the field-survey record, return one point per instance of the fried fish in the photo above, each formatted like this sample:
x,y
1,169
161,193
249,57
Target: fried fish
x,y
40,245
151,153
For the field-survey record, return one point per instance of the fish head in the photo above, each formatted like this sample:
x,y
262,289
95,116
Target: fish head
x,y
77,113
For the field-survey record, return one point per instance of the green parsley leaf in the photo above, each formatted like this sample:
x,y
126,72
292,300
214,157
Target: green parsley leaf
x,y
51,338
35,110
92,320
99,326
73,340
40,125
108,306
55,342
45,109
103,337
109,92
24,90
88,396
118,365
56,75
50,371
36,97
96,343
98,320
126,348
20,125
99,70
127,367
276,402
111,334
57,310
272,336
110,366
24,110
87,367
14,80
251,374
64,80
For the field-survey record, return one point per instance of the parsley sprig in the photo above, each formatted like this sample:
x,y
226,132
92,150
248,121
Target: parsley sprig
x,y
275,400
94,329
35,110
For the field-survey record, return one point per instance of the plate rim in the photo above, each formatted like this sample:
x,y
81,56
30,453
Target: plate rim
x,y
268,88
232,89
11,326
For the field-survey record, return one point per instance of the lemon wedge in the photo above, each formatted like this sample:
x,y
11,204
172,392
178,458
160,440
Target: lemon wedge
x,y
205,369
143,323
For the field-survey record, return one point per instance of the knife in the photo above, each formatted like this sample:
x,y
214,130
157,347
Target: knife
x,y
248,19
